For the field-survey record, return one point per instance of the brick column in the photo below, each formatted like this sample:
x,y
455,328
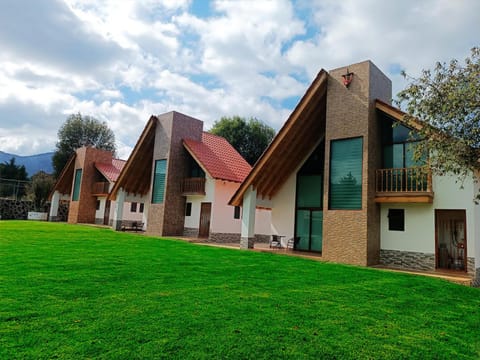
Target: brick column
x,y
248,219
54,206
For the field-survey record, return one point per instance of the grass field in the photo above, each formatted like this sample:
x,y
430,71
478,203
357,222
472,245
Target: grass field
x,y
82,292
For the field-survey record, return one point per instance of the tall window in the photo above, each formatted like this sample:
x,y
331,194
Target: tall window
x,y
346,174
142,205
76,185
188,209
309,202
158,191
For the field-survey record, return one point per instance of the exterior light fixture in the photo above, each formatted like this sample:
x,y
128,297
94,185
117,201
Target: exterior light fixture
x,y
347,78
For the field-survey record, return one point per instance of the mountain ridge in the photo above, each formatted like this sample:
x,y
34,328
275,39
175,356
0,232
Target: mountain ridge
x,y
33,163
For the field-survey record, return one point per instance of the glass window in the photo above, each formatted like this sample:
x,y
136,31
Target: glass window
x,y
97,207
76,185
188,209
346,174
396,219
158,191
142,205
236,212
133,207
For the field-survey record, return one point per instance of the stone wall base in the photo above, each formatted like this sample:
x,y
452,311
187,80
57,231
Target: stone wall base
x,y
476,278
418,261
190,232
264,239
407,260
247,242
224,238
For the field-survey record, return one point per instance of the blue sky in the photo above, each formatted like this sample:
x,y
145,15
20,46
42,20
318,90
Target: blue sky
x,y
121,61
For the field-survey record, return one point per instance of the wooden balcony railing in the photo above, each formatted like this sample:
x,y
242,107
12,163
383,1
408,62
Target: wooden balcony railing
x,y
413,184
193,186
100,188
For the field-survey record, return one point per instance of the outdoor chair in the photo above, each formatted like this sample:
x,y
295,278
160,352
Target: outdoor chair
x,y
292,242
275,242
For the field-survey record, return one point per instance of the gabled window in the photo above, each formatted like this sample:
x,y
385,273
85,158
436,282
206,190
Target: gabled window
x,y
346,158
76,185
399,144
158,191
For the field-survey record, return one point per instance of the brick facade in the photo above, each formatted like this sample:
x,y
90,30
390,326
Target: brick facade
x,y
172,128
83,210
353,236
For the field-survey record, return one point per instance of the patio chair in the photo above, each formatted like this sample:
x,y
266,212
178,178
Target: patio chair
x,y
292,242
275,242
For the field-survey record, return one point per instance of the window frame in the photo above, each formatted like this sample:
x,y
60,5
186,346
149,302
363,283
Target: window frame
x,y
156,198
396,219
133,207
77,183
236,212
188,209
336,207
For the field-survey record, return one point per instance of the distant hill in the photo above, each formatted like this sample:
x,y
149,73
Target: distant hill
x,y
32,163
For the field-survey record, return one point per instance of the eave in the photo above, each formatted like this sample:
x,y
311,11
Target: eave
x,y
294,141
136,175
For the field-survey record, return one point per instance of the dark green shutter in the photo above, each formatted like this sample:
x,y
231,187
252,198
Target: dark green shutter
x,y
158,191
76,185
346,174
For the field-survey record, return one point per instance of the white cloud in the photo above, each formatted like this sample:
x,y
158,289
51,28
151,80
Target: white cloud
x,y
121,61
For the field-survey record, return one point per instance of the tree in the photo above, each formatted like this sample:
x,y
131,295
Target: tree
x,y
78,131
250,138
39,188
446,101
13,179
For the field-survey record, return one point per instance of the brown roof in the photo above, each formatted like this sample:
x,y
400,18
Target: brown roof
x,y
294,141
218,158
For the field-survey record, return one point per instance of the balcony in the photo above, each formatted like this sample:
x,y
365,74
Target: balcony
x,y
404,185
193,186
101,188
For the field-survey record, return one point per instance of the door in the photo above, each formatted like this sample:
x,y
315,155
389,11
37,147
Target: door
x,y
309,228
106,214
204,228
451,239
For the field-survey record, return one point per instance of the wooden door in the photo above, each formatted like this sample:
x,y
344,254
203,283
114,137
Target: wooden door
x,y
106,214
204,228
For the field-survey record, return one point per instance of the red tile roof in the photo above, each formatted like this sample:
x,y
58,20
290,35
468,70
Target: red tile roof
x,y
111,171
218,158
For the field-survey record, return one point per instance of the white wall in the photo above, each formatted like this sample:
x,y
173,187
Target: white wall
x,y
283,210
419,234
222,214
193,221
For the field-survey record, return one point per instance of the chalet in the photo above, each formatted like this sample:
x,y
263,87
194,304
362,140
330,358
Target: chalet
x,y
185,177
341,181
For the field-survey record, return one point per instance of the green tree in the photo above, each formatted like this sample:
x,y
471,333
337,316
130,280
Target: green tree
x,y
250,138
78,131
13,179
39,188
446,100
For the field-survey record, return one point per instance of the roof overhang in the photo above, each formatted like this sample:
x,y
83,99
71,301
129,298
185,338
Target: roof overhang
x,y
294,141
398,115
64,182
136,175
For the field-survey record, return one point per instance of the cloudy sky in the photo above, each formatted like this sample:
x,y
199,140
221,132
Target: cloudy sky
x,y
121,61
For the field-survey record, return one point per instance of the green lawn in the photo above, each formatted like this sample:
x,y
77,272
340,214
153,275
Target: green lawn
x,y
82,292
